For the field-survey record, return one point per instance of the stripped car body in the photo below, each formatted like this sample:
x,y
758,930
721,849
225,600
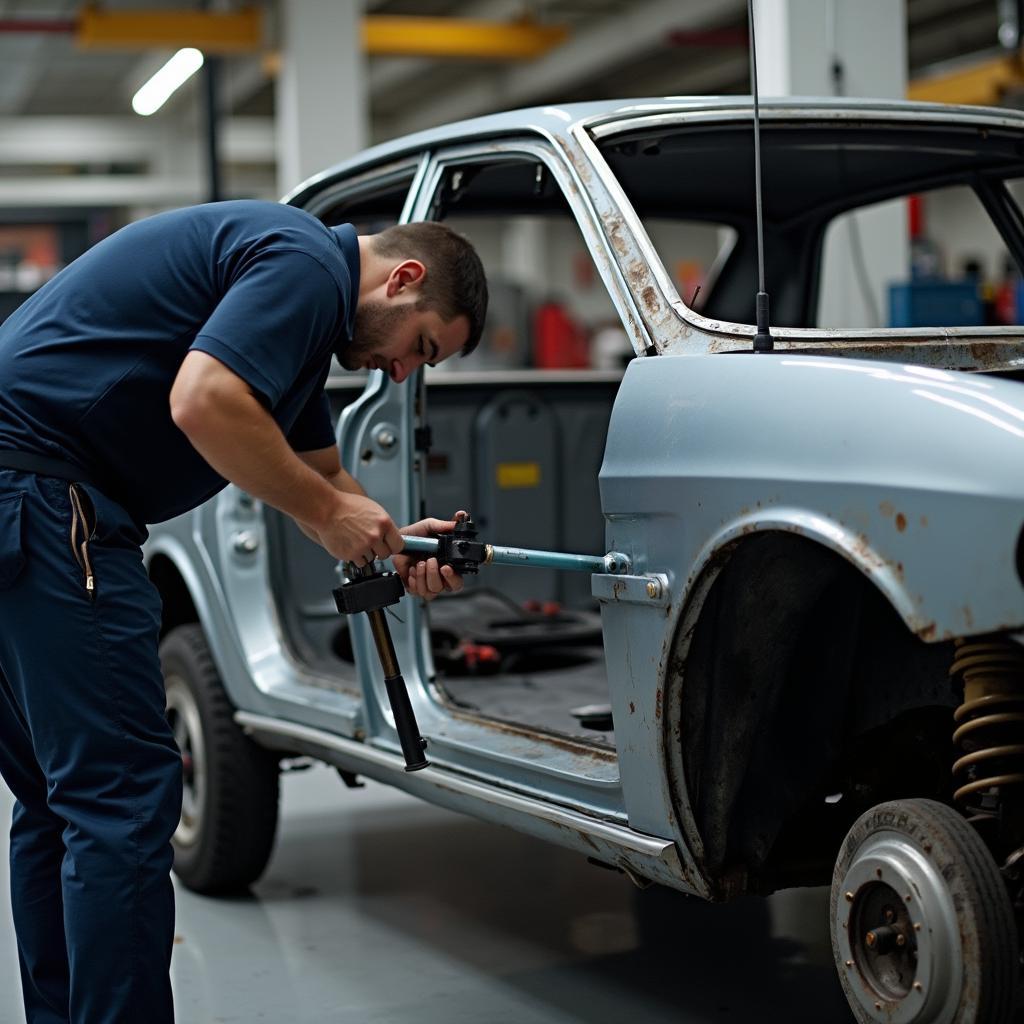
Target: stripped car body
x,y
809,531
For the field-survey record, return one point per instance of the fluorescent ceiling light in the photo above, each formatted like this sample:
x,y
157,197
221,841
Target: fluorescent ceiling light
x,y
178,70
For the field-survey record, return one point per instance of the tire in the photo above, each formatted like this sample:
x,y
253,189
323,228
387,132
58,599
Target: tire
x,y
923,930
231,786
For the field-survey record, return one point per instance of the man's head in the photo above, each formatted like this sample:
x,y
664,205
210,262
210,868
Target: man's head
x,y
422,298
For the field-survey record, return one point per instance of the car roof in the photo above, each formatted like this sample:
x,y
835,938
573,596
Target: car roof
x,y
562,120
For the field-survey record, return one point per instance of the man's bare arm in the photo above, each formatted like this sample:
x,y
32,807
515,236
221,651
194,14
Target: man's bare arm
x,y
325,461
229,427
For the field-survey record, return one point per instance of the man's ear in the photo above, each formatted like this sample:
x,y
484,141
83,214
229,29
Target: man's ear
x,y
408,274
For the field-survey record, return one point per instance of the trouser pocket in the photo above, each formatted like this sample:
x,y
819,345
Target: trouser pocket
x,y
12,555
83,528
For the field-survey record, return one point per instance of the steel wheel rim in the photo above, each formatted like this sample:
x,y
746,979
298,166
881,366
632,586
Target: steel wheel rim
x,y
183,716
919,981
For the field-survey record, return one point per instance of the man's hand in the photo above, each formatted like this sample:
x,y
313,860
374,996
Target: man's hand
x,y
359,530
423,577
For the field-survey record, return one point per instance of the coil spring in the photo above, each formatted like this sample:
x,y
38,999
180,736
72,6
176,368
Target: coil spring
x,y
991,719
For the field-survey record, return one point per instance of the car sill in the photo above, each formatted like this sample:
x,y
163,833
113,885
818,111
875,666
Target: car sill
x,y
640,856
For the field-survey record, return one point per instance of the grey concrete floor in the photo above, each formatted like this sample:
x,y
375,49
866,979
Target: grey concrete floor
x,y
378,909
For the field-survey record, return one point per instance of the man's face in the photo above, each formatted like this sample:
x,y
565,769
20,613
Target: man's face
x,y
398,338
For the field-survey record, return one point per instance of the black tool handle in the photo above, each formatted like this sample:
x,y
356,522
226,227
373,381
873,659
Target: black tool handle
x,y
413,744
408,731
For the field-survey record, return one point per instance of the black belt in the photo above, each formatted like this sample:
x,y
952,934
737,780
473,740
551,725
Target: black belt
x,y
44,465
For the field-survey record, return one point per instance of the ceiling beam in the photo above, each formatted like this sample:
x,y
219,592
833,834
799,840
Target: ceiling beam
x,y
409,36
112,190
985,82
102,140
211,32
242,32
384,73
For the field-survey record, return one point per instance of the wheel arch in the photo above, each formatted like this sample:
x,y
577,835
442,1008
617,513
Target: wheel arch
x,y
804,611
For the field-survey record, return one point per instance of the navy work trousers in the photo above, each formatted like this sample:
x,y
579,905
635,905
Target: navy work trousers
x,y
86,749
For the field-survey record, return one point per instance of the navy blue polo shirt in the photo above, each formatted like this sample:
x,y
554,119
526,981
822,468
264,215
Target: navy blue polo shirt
x,y
87,363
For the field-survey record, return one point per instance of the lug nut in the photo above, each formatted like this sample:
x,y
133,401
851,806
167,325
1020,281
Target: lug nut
x,y
882,939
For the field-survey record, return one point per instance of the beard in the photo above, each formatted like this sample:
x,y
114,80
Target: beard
x,y
375,326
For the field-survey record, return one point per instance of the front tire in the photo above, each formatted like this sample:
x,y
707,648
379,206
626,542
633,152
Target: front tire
x,y
923,931
231,786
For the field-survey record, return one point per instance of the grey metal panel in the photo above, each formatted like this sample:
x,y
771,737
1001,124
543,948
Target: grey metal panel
x,y
518,429
580,406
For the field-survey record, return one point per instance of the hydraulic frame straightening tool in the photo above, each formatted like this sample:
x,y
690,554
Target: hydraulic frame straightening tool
x,y
371,590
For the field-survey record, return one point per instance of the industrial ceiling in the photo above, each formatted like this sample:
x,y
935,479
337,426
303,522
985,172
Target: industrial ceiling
x,y
65,112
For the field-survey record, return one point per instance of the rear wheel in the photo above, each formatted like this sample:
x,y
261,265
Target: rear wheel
x,y
230,793
923,930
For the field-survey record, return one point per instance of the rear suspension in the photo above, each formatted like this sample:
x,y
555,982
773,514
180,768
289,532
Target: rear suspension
x,y
989,774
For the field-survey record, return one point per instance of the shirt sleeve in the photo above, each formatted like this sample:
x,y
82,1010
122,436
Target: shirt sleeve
x,y
313,431
277,317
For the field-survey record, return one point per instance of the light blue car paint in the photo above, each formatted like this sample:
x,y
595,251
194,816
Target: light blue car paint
x,y
868,443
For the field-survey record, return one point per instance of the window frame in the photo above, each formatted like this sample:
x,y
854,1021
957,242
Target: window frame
x,y
575,194
720,336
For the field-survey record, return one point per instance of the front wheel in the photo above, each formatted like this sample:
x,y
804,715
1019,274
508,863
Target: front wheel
x,y
923,930
231,786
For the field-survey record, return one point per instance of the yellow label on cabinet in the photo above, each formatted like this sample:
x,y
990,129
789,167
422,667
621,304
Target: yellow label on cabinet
x,y
518,474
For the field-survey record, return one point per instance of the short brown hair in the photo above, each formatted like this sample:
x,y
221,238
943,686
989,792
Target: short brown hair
x,y
455,284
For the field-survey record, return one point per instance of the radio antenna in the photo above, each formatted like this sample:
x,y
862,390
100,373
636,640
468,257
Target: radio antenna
x,y
763,338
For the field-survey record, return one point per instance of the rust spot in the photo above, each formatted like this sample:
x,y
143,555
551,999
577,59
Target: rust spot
x,y
927,632
650,300
901,521
657,704
887,508
986,354
614,233
968,616
587,840
924,520
637,273
632,708
582,749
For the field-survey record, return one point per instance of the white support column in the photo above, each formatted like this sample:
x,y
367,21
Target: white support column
x,y
321,88
797,43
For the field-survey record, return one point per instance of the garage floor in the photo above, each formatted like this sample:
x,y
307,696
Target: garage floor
x,y
378,909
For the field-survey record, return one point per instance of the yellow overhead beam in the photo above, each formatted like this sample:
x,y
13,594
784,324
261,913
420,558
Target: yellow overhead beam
x,y
241,32
385,36
985,83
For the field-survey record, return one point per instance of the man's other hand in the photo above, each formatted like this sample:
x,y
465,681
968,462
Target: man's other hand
x,y
423,577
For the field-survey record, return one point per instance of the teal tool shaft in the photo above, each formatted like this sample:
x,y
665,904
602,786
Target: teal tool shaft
x,y
518,556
